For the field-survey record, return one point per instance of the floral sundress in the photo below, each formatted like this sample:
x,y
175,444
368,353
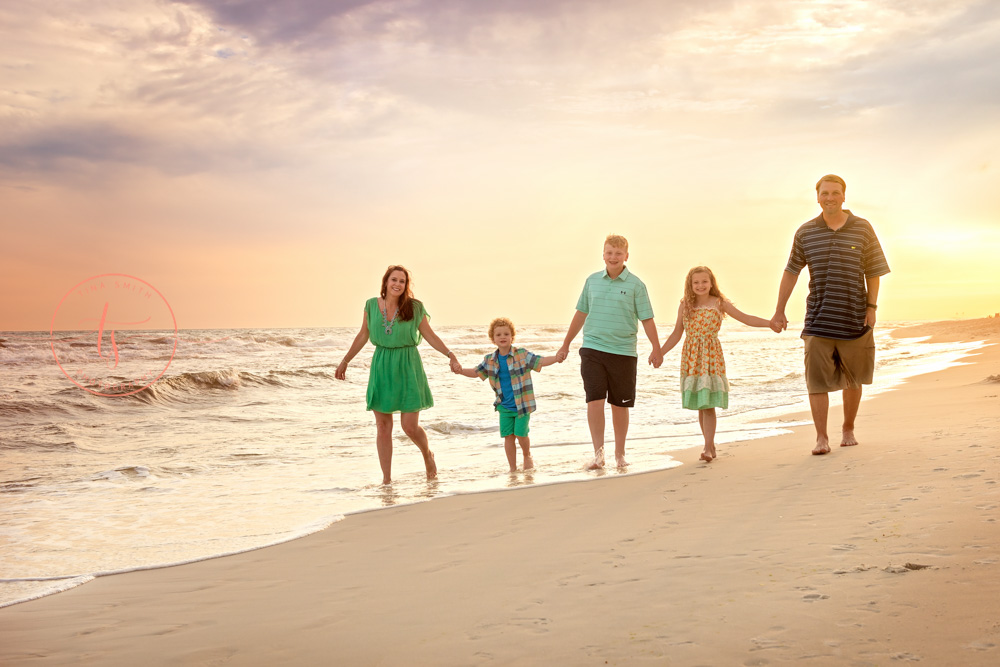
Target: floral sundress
x,y
703,368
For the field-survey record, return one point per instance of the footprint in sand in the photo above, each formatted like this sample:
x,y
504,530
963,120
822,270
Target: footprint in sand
x,y
909,657
981,646
813,597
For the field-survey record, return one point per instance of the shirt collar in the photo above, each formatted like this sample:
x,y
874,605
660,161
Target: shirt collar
x,y
496,353
621,276
821,223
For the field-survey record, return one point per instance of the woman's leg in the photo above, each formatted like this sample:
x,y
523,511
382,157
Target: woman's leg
x,y
410,422
383,441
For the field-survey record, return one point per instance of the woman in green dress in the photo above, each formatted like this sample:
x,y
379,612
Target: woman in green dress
x,y
395,322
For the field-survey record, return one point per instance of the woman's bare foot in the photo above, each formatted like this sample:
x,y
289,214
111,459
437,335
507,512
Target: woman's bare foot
x,y
598,461
848,440
822,446
430,465
529,462
708,455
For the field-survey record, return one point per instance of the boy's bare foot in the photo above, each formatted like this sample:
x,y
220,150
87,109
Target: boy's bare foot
x,y
598,461
849,440
529,462
430,465
822,446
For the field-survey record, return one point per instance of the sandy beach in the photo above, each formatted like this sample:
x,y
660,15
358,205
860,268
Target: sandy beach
x,y
880,554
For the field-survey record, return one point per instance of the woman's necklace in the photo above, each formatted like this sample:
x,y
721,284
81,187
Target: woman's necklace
x,y
386,322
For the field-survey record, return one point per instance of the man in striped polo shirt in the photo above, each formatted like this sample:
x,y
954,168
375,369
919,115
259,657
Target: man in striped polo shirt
x,y
610,307
845,262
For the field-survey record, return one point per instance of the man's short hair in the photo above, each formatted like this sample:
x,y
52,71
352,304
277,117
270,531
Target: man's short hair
x,y
616,241
832,178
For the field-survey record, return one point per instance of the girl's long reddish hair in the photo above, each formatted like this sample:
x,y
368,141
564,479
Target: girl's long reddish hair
x,y
405,301
690,297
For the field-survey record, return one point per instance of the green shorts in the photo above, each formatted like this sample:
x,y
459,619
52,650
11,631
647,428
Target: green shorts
x,y
512,423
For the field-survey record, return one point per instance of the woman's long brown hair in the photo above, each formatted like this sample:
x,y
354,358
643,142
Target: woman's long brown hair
x,y
405,301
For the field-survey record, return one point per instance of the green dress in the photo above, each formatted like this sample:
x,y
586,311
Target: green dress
x,y
396,380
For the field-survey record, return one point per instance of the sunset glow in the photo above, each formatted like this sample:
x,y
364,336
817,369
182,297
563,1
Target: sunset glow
x,y
261,163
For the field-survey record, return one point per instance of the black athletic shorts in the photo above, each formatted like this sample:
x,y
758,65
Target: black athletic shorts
x,y
608,375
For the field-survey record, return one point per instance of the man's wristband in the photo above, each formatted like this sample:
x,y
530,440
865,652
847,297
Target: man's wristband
x,y
872,306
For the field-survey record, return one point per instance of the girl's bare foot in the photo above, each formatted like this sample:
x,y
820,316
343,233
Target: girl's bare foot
x,y
430,465
708,455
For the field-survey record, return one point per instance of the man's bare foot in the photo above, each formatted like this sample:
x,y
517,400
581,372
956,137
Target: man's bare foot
x,y
529,462
848,440
598,461
430,465
822,446
620,461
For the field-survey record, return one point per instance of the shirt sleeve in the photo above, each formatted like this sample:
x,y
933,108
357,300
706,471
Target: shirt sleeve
x,y
533,361
643,309
583,303
481,368
874,258
797,257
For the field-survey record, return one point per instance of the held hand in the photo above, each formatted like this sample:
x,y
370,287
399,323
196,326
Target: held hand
x,y
779,323
562,354
455,366
656,358
341,372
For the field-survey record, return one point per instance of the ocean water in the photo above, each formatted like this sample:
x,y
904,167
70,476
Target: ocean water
x,y
246,439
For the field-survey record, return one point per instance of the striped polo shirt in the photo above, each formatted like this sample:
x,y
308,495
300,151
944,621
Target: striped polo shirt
x,y
614,308
839,261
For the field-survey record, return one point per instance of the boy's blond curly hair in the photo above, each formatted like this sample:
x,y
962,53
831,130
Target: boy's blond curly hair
x,y
502,322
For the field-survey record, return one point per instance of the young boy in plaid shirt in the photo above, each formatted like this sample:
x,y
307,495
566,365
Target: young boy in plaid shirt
x,y
509,371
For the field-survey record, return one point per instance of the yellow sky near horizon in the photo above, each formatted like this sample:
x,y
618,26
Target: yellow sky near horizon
x,y
261,168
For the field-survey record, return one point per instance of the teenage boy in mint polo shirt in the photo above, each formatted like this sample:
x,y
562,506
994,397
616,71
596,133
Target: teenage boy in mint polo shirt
x,y
609,310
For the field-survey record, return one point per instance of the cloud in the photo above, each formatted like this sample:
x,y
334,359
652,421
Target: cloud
x,y
230,86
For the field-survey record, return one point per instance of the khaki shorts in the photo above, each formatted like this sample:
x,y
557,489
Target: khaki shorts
x,y
832,365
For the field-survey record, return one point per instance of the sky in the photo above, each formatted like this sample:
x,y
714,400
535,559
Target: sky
x,y
261,163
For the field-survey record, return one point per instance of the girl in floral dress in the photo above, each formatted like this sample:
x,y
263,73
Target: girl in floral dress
x,y
704,386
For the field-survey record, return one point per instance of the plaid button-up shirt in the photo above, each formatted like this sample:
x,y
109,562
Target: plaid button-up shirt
x,y
520,363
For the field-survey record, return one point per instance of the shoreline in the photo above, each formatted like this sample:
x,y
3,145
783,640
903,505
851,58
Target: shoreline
x,y
780,419
124,607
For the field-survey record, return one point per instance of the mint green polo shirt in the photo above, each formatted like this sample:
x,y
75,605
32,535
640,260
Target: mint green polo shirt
x,y
614,308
